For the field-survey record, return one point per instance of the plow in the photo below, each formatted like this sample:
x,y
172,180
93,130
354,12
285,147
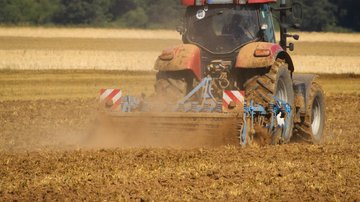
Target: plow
x,y
228,83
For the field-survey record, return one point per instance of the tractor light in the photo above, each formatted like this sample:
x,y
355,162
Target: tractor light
x,y
262,53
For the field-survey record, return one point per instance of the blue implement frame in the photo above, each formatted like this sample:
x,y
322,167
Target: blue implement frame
x,y
208,103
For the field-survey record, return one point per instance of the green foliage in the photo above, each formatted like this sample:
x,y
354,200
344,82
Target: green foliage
x,y
164,12
83,12
319,15
136,18
27,11
347,14
119,7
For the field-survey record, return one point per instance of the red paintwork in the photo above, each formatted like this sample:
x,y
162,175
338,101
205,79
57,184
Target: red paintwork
x,y
275,49
194,63
203,2
182,57
190,2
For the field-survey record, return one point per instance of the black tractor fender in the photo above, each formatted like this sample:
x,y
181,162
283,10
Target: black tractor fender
x,y
285,56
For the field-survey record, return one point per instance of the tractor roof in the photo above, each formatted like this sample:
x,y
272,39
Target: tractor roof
x,y
205,2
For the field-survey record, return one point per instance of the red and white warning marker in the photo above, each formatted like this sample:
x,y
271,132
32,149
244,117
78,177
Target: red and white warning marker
x,y
233,96
111,96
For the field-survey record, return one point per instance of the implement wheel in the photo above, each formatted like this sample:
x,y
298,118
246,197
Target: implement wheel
x,y
277,82
314,122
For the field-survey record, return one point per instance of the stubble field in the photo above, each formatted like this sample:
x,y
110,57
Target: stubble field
x,y
46,112
111,49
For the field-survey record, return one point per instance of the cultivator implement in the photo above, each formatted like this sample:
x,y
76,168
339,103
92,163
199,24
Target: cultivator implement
x,y
197,119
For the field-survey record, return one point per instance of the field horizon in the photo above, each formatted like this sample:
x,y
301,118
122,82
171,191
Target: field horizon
x,y
127,49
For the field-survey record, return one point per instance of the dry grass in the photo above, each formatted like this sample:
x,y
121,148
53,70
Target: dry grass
x,y
60,84
327,49
115,49
144,61
126,45
328,37
87,33
77,59
110,44
146,34
69,84
327,64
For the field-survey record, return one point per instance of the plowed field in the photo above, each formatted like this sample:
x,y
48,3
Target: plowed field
x,y
45,117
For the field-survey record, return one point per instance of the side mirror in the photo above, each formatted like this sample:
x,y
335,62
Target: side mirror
x,y
181,28
291,47
296,11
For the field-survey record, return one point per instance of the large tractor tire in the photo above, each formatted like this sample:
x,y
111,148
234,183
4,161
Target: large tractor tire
x,y
173,85
260,89
314,122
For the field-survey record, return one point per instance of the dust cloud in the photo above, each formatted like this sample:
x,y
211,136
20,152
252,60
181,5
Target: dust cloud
x,y
77,124
160,131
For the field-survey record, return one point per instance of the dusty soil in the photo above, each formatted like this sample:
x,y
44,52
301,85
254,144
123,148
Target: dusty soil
x,y
42,158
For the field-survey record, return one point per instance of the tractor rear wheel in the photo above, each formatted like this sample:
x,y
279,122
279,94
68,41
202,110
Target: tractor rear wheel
x,y
173,85
260,89
314,122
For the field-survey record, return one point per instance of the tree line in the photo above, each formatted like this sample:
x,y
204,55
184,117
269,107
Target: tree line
x,y
318,15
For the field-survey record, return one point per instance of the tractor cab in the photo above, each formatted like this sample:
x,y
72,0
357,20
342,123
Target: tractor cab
x,y
225,28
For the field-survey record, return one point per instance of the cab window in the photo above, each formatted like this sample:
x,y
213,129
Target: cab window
x,y
267,22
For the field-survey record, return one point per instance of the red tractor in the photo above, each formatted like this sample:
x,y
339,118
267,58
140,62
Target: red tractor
x,y
230,78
